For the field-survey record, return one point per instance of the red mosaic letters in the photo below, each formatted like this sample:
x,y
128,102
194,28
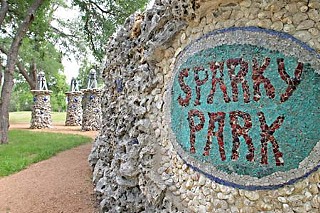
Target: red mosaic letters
x,y
267,136
194,128
199,83
239,78
258,78
215,117
213,67
238,131
218,118
185,88
292,82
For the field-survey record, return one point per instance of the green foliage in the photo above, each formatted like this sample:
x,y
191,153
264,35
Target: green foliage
x,y
38,47
47,59
27,147
84,71
100,18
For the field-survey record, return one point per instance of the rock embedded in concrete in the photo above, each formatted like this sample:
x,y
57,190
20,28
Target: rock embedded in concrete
x,y
74,109
41,110
91,116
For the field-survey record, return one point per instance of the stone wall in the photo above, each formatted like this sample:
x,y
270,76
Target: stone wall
x,y
41,110
141,163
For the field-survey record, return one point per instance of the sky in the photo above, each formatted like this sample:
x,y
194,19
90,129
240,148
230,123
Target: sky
x,y
71,67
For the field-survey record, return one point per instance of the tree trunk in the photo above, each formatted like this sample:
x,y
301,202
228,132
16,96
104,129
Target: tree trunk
x,y
9,70
3,10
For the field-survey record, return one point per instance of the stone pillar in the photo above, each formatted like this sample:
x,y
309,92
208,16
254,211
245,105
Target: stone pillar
x,y
41,109
74,108
91,103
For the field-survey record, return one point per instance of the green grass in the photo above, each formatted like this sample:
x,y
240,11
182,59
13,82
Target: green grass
x,y
25,117
27,147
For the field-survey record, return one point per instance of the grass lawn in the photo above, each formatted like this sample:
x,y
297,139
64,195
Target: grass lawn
x,y
25,117
26,147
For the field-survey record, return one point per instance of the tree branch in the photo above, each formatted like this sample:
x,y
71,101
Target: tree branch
x,y
31,79
61,33
3,10
107,12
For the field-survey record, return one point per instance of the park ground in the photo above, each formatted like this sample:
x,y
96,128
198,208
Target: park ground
x,y
61,184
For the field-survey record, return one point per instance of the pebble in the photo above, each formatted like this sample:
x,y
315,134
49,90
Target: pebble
x,y
289,28
246,3
251,195
277,26
303,35
299,17
314,15
304,9
306,24
314,31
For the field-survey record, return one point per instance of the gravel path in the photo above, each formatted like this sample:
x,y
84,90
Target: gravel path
x,y
61,184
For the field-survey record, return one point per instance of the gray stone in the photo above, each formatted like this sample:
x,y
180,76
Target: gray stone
x,y
41,110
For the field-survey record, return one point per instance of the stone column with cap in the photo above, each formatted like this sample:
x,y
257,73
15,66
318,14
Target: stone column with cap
x,y
91,103
74,107
41,109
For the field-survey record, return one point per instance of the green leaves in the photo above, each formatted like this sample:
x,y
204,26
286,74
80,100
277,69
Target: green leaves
x,y
100,18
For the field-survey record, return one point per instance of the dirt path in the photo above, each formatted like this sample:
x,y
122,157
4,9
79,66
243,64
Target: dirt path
x,y
61,184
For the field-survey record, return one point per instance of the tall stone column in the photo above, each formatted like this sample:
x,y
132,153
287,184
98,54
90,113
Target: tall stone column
x,y
74,108
41,109
91,103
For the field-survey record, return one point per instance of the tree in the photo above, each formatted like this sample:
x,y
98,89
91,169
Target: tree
x,y
39,56
100,18
11,60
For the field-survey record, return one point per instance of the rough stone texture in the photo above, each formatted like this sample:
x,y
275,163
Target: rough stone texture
x,y
91,105
74,109
135,166
41,110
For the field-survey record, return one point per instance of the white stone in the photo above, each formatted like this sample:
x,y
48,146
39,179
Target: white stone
x,y
315,4
314,31
202,180
189,184
292,8
252,195
314,15
304,9
222,196
245,3
306,24
202,209
303,35
277,26
282,199
299,17
286,208
313,188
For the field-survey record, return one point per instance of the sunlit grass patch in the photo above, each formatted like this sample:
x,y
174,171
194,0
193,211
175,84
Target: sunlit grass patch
x,y
27,147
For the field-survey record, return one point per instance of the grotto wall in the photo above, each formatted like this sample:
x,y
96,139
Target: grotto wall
x,y
212,106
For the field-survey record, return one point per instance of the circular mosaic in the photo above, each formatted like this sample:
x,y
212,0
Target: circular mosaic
x,y
245,108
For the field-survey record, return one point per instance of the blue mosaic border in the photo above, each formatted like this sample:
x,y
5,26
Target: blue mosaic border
x,y
251,187
281,35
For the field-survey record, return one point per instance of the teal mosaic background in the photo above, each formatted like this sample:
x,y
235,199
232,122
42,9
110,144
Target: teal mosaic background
x,y
296,137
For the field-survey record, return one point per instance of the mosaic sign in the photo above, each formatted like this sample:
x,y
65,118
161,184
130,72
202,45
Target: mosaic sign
x,y
245,108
